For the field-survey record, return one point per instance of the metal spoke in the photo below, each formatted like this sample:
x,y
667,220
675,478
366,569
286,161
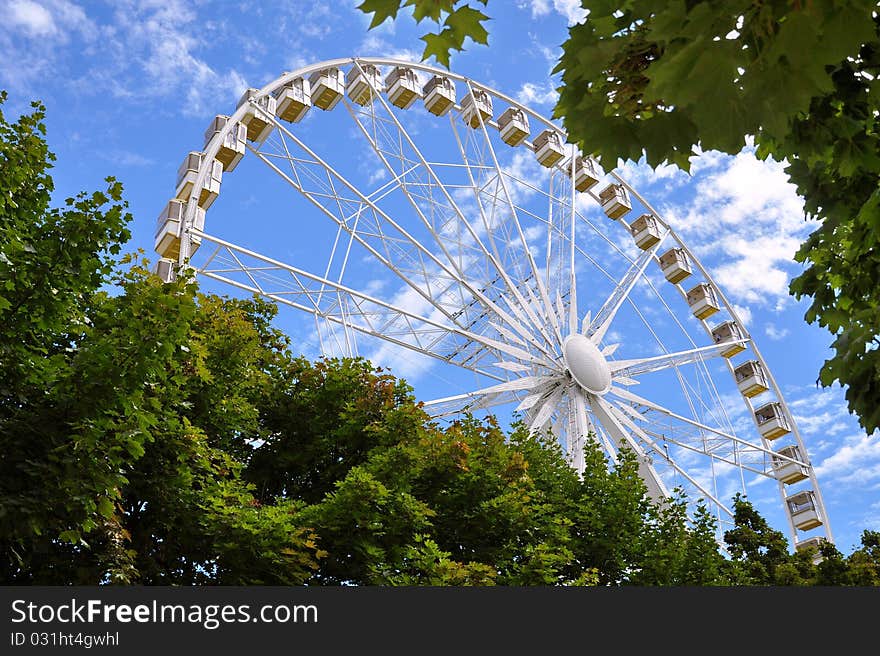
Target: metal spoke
x,y
603,318
640,366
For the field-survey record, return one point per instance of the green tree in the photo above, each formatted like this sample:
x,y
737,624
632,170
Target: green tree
x,y
655,80
864,562
756,550
118,465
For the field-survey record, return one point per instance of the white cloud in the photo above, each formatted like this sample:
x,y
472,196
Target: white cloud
x,y
128,159
659,181
163,38
376,46
537,94
857,462
752,271
528,176
823,415
34,18
744,313
571,10
147,50
32,37
775,333
745,221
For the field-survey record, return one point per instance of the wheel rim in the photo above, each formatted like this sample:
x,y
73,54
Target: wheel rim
x,y
463,250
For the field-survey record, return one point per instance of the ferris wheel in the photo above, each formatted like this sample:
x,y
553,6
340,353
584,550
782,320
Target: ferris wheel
x,y
413,215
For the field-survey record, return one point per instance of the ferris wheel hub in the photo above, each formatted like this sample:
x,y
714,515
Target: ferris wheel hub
x,y
586,364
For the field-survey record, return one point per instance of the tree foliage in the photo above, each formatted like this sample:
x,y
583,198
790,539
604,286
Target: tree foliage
x,y
116,465
655,80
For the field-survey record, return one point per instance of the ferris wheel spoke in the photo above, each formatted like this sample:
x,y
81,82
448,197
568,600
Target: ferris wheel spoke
x,y
313,287
424,272
603,318
392,252
538,416
470,401
625,422
399,250
639,366
512,223
701,427
603,411
740,453
418,183
344,320
579,428
538,394
509,257
738,458
604,438
419,191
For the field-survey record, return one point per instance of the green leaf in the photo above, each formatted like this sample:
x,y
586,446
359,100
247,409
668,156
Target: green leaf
x,y
382,10
105,507
70,536
439,45
465,22
430,8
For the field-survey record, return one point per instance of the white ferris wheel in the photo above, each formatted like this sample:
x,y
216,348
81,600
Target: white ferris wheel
x,y
396,208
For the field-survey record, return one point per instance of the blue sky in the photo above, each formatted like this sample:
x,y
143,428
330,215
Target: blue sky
x,y
130,88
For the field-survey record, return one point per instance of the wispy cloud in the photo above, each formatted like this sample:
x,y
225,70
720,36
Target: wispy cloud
x,y
376,46
856,462
33,36
137,52
537,94
33,18
746,219
127,159
571,10
775,333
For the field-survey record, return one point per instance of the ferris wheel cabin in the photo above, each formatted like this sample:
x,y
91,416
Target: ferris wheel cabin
x,y
813,544
168,227
327,87
615,201
645,231
257,118
675,265
233,147
294,100
402,85
548,148
787,471
166,269
186,179
703,300
476,108
363,83
772,422
439,93
513,126
586,173
750,378
803,511
729,332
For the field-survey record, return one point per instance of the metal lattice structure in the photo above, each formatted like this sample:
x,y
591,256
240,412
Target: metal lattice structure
x,y
423,220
